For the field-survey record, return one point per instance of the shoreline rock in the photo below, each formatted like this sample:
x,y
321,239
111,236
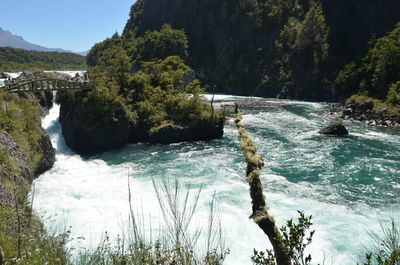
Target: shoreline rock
x,y
365,113
201,130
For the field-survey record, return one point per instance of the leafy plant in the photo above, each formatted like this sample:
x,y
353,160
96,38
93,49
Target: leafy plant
x,y
296,237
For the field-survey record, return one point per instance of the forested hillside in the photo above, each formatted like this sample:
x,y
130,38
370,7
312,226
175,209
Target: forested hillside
x,y
12,59
284,48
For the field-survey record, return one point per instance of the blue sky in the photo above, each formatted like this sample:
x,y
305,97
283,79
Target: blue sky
x,y
73,24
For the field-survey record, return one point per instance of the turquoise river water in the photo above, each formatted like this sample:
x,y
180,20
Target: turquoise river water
x,y
350,185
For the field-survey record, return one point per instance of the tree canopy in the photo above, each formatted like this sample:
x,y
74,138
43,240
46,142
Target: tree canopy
x,y
12,59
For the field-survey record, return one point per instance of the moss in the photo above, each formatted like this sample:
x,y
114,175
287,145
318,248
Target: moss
x,y
164,123
252,175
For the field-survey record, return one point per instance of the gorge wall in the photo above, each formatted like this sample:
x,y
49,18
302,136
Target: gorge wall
x,y
289,49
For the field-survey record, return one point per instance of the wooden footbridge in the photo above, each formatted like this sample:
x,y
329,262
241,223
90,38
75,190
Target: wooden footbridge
x,y
47,84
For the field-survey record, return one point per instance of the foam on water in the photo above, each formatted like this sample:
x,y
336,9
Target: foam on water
x,y
332,179
224,97
13,75
70,73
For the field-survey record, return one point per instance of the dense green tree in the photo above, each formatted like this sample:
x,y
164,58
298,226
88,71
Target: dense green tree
x,y
381,66
312,38
114,65
163,96
149,76
393,96
377,71
159,44
12,59
302,50
287,48
98,50
122,54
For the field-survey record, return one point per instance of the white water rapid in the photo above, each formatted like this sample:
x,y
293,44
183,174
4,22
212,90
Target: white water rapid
x,y
90,195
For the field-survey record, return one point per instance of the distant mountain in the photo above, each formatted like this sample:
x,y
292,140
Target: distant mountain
x,y
83,53
15,41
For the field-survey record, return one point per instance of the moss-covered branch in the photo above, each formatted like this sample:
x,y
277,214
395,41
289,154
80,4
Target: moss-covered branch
x,y
260,213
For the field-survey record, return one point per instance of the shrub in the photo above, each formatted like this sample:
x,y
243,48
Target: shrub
x,y
393,96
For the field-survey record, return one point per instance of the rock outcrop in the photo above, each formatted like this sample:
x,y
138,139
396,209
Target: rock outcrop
x,y
93,123
336,129
48,156
17,158
19,161
16,166
45,101
201,130
25,147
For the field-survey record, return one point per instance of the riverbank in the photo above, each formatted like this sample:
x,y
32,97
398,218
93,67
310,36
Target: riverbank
x,y
25,153
371,111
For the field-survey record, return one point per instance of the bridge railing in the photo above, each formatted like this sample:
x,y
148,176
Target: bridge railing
x,y
48,84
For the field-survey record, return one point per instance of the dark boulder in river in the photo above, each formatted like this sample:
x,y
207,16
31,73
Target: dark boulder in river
x,y
336,129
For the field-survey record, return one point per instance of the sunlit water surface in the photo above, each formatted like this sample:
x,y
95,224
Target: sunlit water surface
x,y
349,185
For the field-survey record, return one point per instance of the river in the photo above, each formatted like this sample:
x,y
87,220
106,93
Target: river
x,y
349,185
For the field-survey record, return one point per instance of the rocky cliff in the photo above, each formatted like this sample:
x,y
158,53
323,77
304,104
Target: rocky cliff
x,y
25,152
291,49
93,123
25,147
